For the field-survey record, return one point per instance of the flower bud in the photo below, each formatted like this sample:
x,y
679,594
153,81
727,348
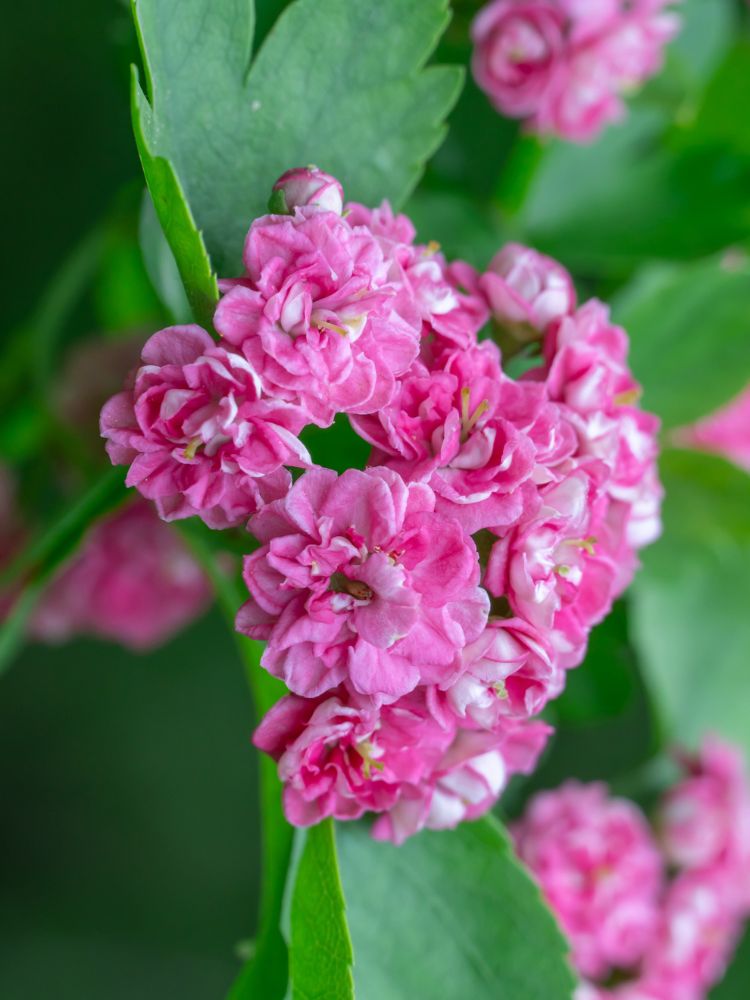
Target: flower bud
x,y
306,187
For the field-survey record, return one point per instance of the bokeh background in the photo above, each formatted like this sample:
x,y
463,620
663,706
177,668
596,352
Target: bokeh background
x,y
128,837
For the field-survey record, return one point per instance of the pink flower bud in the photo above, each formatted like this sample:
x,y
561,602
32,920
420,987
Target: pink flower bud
x,y
307,187
526,289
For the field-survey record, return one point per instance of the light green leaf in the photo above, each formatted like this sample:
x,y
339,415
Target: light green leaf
x,y
689,601
339,83
690,335
172,208
160,264
320,956
449,915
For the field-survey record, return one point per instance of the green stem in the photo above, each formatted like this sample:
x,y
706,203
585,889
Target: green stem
x,y
39,561
264,976
520,172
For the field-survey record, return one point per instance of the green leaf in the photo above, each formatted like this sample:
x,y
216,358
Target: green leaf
x,y
736,982
449,915
160,264
320,956
366,110
689,602
172,208
690,336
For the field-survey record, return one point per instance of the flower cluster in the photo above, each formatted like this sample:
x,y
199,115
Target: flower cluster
x,y
563,65
657,910
423,610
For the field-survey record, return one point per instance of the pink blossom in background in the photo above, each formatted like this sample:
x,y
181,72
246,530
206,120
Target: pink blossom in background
x,y
563,66
600,869
198,433
359,579
705,819
132,581
599,865
726,432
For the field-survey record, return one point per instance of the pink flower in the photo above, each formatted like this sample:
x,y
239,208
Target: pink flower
x,y
197,432
600,869
316,315
447,428
360,579
132,581
443,298
309,187
705,819
726,432
563,65
466,782
696,936
555,571
518,47
508,671
527,291
340,756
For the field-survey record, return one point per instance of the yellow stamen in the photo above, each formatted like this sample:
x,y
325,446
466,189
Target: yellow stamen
x,y
587,544
325,325
628,397
192,448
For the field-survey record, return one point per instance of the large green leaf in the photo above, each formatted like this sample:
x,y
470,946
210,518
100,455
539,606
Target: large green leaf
x,y
339,83
450,915
320,957
689,606
690,335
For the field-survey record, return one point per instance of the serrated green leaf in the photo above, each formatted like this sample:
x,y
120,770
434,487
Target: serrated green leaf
x,y
339,83
689,601
320,956
689,328
449,915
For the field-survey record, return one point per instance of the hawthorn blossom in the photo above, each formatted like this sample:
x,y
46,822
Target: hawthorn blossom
x,y
508,671
198,433
315,315
599,866
339,755
132,581
446,428
526,291
564,65
467,780
443,298
360,579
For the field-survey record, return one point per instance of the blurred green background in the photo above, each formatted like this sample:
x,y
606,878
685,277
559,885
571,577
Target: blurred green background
x,y
129,837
